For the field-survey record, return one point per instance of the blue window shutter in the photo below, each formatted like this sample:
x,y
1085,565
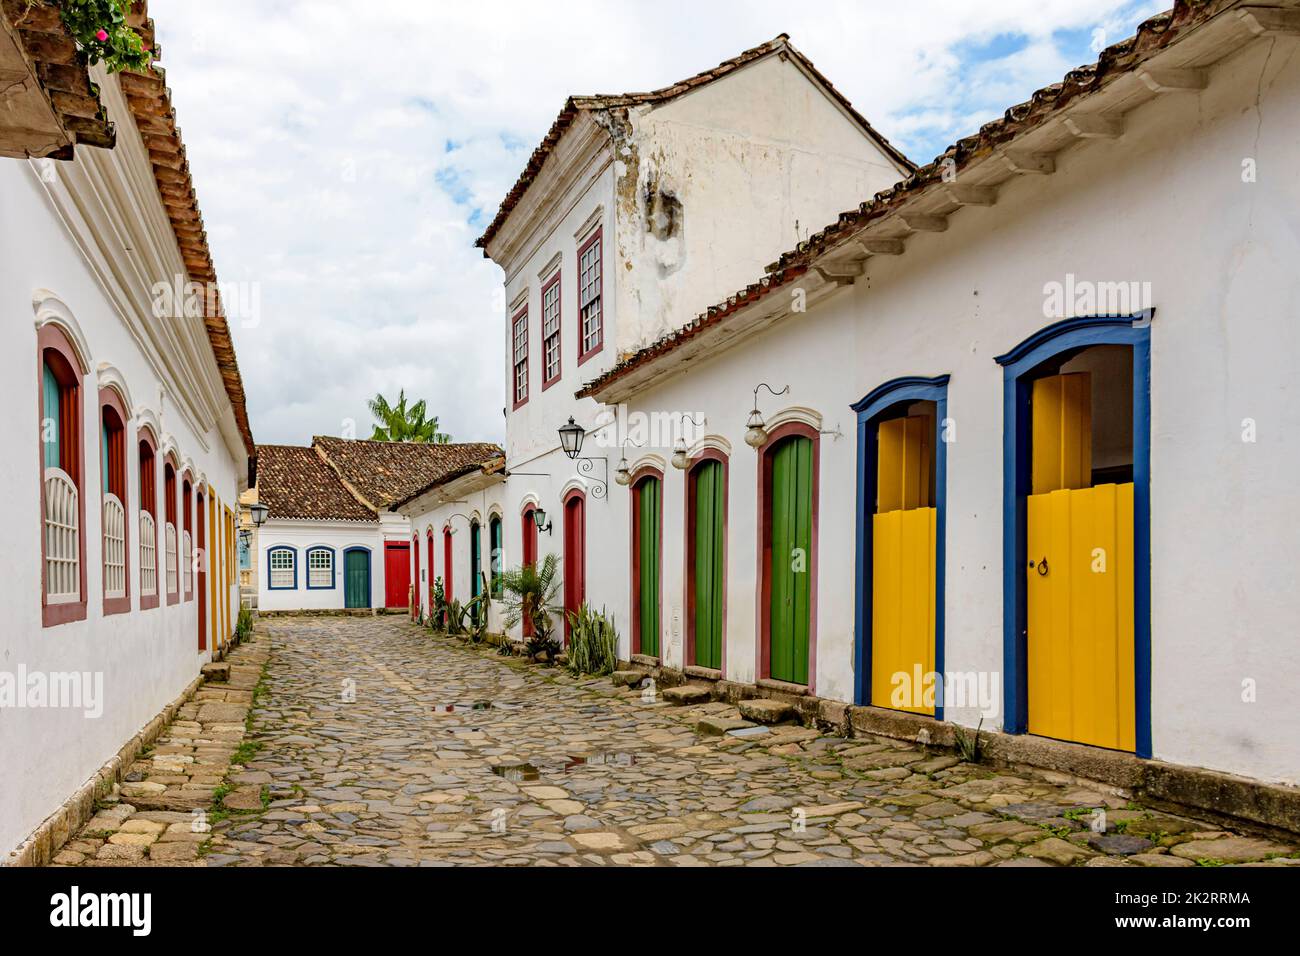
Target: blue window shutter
x,y
51,422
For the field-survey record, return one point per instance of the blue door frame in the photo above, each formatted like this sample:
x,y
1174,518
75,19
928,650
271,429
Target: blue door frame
x,y
870,409
1018,367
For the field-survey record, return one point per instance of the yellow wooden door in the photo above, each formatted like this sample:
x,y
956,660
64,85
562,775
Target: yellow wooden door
x,y
1080,579
903,567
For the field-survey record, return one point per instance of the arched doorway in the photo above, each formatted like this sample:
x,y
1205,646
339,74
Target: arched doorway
x,y
706,559
418,577
528,533
475,566
1076,543
200,559
647,547
575,556
902,469
788,568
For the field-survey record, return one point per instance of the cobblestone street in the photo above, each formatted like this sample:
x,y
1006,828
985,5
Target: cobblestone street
x,y
374,743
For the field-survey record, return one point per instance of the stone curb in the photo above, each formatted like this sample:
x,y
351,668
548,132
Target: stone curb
x,y
48,838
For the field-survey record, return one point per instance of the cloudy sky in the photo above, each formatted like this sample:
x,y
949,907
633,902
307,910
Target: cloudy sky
x,y
347,155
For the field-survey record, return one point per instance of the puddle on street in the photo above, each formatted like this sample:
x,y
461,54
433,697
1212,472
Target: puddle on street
x,y
516,772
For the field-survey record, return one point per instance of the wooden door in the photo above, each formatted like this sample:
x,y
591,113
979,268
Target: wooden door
x,y
707,540
1080,579
448,560
790,569
903,566
397,574
200,558
475,561
647,507
356,578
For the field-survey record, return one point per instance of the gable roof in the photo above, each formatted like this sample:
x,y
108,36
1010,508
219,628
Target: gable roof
x,y
381,473
296,483
1153,36
575,105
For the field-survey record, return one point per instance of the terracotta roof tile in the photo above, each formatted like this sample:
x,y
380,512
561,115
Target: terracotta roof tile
x,y
382,473
1153,35
622,101
295,483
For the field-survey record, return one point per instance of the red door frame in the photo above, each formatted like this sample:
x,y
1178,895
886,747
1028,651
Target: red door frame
x,y
646,471
428,547
764,636
200,557
708,454
415,571
575,555
447,560
528,530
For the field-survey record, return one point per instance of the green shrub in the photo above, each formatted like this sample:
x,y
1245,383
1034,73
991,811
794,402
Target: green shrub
x,y
593,642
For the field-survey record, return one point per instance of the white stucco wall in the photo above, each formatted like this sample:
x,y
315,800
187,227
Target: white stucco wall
x,y
1166,204
146,657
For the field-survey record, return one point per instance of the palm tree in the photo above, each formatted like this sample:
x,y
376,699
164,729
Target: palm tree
x,y
401,424
528,593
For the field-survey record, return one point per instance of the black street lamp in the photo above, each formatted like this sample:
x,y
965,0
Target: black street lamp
x,y
571,439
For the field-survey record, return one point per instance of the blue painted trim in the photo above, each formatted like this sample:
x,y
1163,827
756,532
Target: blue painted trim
x,y
334,567
876,403
270,551
370,572
1018,367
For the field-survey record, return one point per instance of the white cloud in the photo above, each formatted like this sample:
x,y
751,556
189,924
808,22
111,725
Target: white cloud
x,y
340,149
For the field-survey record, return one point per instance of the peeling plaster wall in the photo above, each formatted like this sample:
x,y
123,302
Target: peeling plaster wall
x,y
713,186
1166,204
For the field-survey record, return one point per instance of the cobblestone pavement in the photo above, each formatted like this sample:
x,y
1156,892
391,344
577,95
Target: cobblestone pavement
x,y
378,744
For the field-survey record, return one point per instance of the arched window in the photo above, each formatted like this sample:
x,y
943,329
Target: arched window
x,y
497,556
148,523
187,539
320,569
169,505
282,569
63,547
112,454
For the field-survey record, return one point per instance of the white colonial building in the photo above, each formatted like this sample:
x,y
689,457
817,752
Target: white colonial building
x,y
329,541
1019,420
125,468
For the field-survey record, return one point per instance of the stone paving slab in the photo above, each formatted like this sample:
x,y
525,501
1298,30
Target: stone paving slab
x,y
379,744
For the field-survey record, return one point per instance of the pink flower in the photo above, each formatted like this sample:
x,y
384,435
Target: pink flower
x,y
101,36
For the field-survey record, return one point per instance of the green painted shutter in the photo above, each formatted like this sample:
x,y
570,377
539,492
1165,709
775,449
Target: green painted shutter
x,y
51,388
789,610
475,559
648,503
708,564
494,534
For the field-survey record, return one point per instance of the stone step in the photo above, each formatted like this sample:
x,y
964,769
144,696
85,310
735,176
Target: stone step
x,y
628,678
688,694
217,673
717,726
764,710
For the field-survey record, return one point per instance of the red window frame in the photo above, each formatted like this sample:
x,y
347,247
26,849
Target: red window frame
x,y
519,358
598,300
148,467
187,510
54,348
170,518
554,338
112,407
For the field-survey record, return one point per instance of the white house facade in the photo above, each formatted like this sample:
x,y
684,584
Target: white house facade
x,y
1007,446
123,474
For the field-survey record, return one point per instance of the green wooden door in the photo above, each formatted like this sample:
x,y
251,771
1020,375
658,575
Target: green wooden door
x,y
648,517
789,606
475,559
356,579
708,534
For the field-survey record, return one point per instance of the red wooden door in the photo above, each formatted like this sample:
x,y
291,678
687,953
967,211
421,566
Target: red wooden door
x,y
529,532
397,573
575,557
429,547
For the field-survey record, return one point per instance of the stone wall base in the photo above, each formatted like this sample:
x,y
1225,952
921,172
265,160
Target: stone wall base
x,y
48,838
1220,796
332,612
